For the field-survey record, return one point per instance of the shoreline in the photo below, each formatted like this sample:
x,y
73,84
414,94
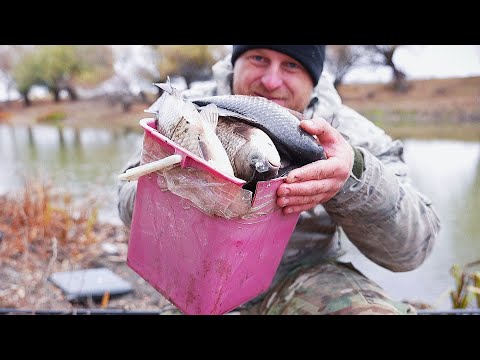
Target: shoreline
x,y
400,124
456,132
436,108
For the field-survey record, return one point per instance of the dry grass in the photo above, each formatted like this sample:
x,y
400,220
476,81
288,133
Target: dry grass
x,y
43,232
37,218
40,233
467,285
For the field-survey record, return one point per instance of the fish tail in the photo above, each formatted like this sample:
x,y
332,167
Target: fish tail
x,y
167,86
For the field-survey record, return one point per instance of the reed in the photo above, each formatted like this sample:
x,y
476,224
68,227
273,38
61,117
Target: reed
x,y
31,219
467,285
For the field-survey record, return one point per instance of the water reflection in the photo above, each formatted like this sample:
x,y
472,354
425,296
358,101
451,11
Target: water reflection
x,y
449,173
87,161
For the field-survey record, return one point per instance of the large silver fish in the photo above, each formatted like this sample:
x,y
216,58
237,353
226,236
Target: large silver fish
x,y
275,120
180,121
252,153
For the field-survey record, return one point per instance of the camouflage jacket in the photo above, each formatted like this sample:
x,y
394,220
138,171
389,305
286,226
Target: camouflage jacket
x,y
381,213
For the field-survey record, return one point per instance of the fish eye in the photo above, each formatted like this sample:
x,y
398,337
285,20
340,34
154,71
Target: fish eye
x,y
255,157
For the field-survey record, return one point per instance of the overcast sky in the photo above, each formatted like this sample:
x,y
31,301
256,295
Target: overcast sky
x,y
417,61
426,62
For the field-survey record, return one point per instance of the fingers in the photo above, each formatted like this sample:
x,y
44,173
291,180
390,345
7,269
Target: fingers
x,y
322,169
296,209
320,128
307,188
319,181
293,204
303,196
302,200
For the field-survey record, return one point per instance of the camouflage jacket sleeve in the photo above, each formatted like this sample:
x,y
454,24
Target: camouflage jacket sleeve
x,y
382,213
127,191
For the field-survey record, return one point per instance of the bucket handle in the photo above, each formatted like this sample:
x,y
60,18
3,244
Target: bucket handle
x,y
134,173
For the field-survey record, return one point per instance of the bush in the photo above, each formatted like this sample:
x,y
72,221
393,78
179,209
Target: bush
x,y
52,117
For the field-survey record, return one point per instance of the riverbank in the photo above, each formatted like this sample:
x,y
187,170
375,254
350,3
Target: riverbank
x,y
437,108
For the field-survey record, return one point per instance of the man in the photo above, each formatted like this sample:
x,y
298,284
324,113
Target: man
x,y
362,191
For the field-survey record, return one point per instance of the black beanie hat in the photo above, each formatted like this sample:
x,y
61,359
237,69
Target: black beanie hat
x,y
310,56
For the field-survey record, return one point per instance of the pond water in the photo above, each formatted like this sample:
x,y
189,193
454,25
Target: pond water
x,y
87,161
449,173
83,162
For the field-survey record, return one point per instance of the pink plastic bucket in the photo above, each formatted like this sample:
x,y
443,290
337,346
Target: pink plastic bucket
x,y
204,264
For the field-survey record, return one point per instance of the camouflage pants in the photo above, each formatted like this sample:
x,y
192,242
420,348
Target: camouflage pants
x,y
331,288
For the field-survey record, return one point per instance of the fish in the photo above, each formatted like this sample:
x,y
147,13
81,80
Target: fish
x,y
280,124
252,153
193,130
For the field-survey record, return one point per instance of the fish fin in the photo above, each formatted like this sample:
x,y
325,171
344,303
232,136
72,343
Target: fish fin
x,y
227,113
204,151
209,115
199,103
209,156
167,86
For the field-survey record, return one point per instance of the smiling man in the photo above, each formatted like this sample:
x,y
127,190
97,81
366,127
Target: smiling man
x,y
361,193
277,76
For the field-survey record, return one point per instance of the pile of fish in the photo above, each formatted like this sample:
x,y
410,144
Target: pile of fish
x,y
249,137
180,121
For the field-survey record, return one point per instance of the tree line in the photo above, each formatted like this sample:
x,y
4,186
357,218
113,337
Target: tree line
x,y
70,67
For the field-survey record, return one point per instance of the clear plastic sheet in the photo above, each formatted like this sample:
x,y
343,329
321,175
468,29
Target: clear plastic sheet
x,y
210,194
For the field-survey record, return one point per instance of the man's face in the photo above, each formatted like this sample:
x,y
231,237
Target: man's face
x,y
273,75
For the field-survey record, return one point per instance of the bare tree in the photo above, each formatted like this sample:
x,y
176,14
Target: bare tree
x,y
135,73
341,59
383,55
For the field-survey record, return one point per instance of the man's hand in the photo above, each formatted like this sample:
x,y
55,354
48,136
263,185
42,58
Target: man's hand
x,y
317,182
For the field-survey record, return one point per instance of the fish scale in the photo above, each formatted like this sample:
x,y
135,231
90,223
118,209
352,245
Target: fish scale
x,y
275,120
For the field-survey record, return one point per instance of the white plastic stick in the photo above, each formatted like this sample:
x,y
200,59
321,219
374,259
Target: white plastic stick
x,y
136,172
